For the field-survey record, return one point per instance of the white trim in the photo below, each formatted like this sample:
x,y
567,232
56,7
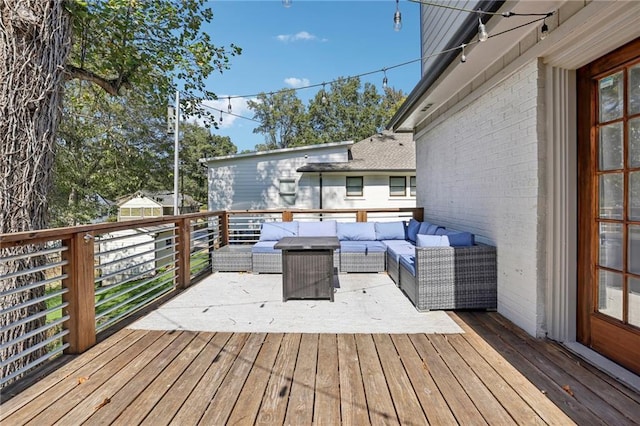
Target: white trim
x,y
561,182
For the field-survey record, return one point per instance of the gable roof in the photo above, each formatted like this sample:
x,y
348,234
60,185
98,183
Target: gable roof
x,y
297,150
162,198
386,151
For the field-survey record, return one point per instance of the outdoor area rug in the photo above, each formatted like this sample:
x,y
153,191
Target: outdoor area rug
x,y
244,302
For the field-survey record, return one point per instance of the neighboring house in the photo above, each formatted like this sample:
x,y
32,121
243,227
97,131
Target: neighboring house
x,y
146,204
533,143
133,253
376,172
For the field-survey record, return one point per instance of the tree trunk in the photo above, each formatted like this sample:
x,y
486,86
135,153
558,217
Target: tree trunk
x,y
35,38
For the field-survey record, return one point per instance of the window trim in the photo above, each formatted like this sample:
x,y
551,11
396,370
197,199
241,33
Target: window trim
x,y
394,190
347,186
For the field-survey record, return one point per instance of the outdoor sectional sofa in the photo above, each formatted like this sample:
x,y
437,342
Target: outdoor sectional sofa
x,y
435,267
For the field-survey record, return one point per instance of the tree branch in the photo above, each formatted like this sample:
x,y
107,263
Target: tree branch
x,y
112,86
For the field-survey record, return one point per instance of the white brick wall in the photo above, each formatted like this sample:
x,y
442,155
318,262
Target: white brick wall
x,y
478,170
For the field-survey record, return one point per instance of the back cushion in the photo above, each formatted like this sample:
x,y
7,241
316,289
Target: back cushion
x,y
461,239
412,229
389,230
274,231
424,240
326,228
358,231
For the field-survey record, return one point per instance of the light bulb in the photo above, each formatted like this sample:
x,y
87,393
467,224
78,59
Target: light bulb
x,y
482,31
385,80
221,116
324,95
229,107
397,21
463,58
544,30
286,3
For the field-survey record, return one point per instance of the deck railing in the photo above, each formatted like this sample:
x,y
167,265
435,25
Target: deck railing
x,y
60,287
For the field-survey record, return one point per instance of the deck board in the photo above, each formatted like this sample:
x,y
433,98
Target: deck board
x,y
493,373
353,402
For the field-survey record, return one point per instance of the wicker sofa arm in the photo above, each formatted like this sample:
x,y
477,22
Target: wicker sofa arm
x,y
453,278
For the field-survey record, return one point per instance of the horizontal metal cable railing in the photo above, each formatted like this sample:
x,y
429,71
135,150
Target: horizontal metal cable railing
x,y
60,287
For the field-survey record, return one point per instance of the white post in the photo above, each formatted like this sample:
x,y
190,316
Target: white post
x,y
176,156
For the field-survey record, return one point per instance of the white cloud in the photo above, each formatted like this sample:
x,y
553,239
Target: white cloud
x,y
297,82
299,36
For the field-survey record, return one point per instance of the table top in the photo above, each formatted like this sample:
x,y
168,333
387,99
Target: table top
x,y
308,243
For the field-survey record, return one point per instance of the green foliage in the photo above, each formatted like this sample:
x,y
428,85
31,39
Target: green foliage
x,y
147,46
284,122
126,60
344,111
109,146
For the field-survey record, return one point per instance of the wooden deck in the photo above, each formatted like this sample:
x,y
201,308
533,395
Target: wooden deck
x,y
492,374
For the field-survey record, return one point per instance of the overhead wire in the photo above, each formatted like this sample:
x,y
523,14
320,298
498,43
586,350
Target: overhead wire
x,y
541,17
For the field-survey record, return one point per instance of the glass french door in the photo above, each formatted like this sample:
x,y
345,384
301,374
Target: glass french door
x,y
613,180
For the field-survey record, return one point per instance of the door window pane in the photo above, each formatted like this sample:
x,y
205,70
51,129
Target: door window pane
x,y
610,93
634,142
611,152
633,255
412,186
611,245
634,89
634,196
634,301
611,195
610,294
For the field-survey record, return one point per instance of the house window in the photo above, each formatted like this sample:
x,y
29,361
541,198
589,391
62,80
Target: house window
x,y
354,186
412,186
397,186
287,190
136,212
125,211
287,187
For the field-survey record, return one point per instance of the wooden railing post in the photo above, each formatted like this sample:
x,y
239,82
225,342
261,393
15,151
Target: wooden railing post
x,y
184,253
361,216
287,216
81,293
224,229
418,214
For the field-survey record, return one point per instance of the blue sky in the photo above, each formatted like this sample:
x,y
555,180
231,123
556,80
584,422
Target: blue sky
x,y
309,43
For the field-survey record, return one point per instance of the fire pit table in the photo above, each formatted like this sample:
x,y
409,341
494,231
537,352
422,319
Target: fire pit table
x,y
307,267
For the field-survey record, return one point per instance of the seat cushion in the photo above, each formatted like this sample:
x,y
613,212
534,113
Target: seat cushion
x,y
362,247
409,263
265,247
395,251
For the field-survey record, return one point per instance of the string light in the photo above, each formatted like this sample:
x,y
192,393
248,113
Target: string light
x,y
286,3
397,18
482,31
462,47
544,30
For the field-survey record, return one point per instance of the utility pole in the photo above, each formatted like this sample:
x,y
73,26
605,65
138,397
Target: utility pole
x,y
176,156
